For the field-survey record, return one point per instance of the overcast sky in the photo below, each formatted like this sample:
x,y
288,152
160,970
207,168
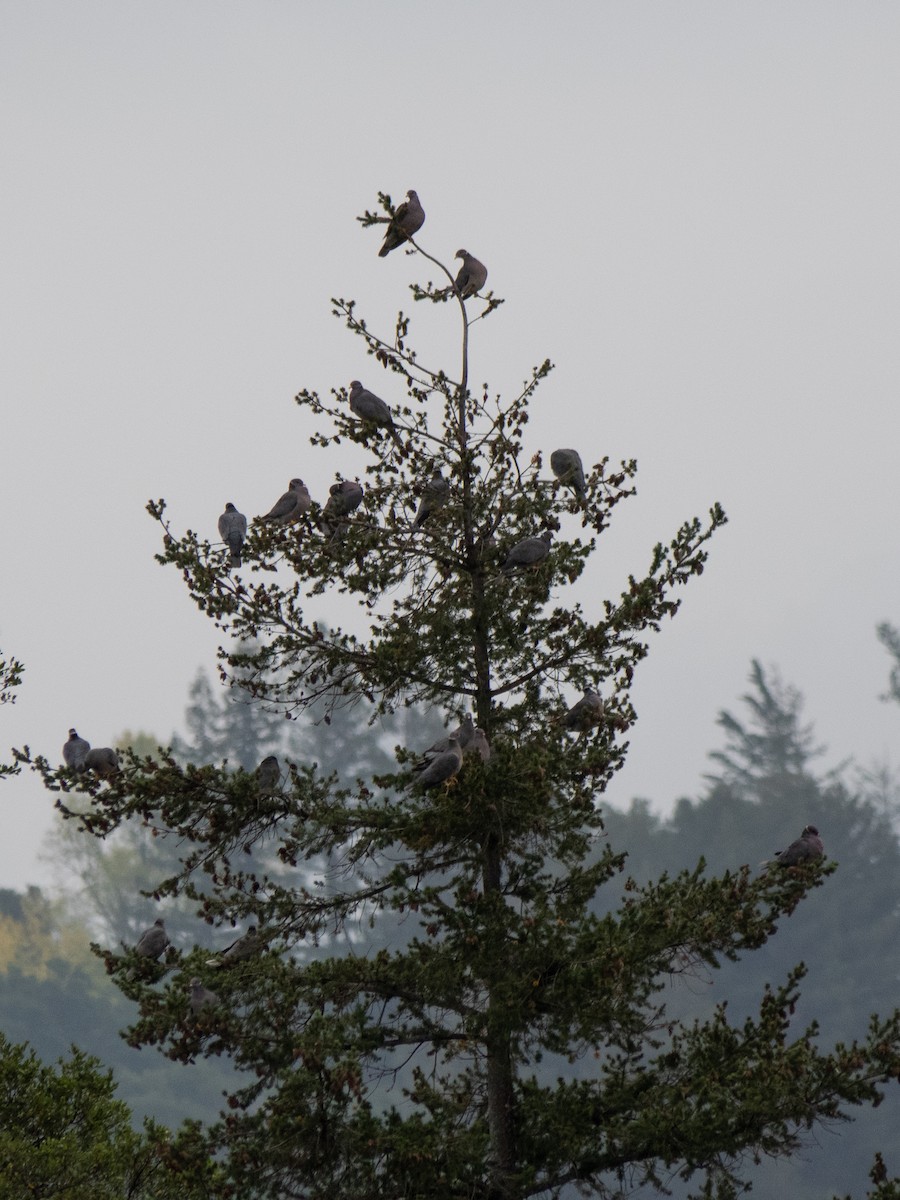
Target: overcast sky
x,y
691,208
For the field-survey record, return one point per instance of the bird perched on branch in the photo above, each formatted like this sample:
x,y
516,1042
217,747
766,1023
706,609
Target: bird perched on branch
x,y
464,732
479,745
152,941
232,531
244,947
585,713
566,466
440,768
807,848
344,497
408,218
103,761
268,775
373,410
201,997
291,505
472,275
435,495
75,751
527,554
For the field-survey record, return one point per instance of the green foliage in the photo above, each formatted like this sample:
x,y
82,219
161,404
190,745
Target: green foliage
x,y
428,957
62,1133
11,671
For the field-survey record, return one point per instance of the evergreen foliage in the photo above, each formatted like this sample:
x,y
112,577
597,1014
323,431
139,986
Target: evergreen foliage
x,y
410,1058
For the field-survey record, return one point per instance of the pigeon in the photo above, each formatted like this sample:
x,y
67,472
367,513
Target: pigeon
x,y
441,768
291,505
463,733
343,499
566,466
245,947
152,941
75,751
479,745
103,761
232,531
371,408
435,495
268,775
408,219
807,848
584,714
472,275
528,553
201,997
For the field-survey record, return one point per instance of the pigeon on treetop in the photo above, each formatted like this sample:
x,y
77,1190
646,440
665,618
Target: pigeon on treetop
x,y
103,761
152,941
528,553
807,848
232,531
343,498
75,751
441,768
435,495
479,745
472,275
585,713
244,947
408,218
291,505
566,466
201,997
373,410
268,775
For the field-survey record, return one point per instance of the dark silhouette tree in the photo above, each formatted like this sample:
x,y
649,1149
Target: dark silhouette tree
x,y
409,1066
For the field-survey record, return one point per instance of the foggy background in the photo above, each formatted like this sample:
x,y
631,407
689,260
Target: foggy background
x,y
691,209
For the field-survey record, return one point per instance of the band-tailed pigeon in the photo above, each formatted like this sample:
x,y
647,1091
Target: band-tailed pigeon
x,y
75,751
232,531
807,848
343,498
479,745
268,775
372,409
527,554
435,495
464,732
585,713
245,947
408,218
103,761
472,275
566,466
201,997
152,941
291,505
441,768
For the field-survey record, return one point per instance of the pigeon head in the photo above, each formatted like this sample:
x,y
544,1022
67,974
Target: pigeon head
x,y
461,254
72,734
229,507
296,483
810,829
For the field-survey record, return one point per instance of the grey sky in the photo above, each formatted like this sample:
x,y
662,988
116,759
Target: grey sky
x,y
692,209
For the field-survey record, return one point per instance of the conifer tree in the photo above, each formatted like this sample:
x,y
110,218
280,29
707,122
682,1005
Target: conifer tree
x,y
430,1054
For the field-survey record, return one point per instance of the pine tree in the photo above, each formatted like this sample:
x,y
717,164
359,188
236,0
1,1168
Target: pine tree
x,y
436,1054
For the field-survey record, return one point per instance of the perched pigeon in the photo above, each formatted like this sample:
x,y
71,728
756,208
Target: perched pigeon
x,y
464,732
245,947
232,531
441,768
75,751
268,775
152,941
806,848
103,761
472,275
527,554
479,745
435,495
371,408
584,714
566,466
291,505
408,218
201,997
343,498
